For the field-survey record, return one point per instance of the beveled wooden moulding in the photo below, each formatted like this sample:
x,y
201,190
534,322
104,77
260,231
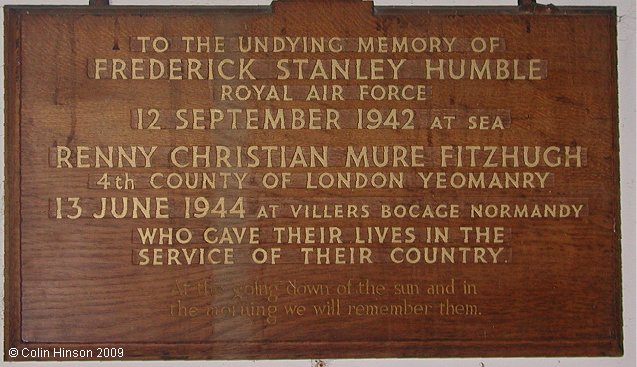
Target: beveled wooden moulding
x,y
446,184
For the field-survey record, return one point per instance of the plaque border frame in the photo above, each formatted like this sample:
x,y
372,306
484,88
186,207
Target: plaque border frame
x,y
276,350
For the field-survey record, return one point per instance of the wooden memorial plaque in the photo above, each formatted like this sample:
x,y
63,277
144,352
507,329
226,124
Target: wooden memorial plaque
x,y
311,179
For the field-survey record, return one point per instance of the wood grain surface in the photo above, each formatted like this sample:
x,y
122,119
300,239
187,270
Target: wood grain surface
x,y
552,289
